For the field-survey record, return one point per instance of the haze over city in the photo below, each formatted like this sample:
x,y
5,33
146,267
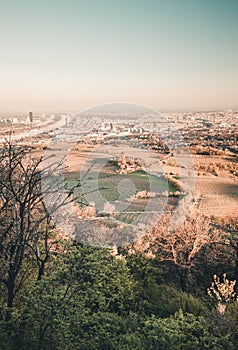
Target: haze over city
x,y
70,55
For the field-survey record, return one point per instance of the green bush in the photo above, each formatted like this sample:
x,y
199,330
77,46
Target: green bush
x,y
182,332
164,301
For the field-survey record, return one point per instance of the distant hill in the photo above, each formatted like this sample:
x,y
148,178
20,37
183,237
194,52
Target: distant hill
x,y
120,108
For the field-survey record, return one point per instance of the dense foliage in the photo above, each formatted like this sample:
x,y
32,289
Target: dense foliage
x,y
92,300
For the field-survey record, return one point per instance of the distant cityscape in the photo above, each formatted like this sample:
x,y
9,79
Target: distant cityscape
x,y
218,129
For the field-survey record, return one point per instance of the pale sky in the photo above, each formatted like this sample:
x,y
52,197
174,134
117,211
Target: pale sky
x,y
65,55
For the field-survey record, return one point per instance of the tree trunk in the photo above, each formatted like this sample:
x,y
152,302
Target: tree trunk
x,y
41,270
10,293
236,269
183,279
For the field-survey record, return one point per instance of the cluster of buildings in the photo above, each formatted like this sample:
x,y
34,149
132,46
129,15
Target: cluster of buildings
x,y
217,129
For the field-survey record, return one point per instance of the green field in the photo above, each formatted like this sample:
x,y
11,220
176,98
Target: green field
x,y
120,187
123,186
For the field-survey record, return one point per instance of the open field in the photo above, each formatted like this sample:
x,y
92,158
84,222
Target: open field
x,y
219,194
101,183
219,190
216,182
121,187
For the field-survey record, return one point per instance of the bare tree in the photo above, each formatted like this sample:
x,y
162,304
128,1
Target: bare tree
x,y
25,222
180,246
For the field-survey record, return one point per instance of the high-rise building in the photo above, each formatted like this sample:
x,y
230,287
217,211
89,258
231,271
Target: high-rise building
x,y
30,117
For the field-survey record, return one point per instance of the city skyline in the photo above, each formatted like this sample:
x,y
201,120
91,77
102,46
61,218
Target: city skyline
x,y
71,55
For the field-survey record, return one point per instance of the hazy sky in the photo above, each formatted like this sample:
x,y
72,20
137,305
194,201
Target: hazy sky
x,y
72,54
